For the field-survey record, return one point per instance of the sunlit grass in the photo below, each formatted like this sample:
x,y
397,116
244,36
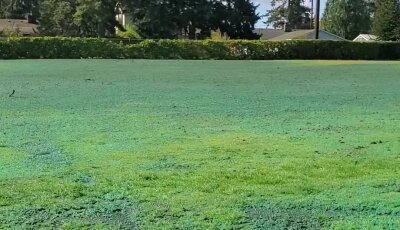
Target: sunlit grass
x,y
199,144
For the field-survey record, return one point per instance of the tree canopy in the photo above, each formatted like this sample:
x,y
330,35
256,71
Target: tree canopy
x,y
18,9
152,18
293,14
347,18
387,20
85,18
196,18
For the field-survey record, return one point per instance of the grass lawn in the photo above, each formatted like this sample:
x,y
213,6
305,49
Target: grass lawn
x,y
199,144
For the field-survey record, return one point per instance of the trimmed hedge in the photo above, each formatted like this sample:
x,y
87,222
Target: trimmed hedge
x,y
72,48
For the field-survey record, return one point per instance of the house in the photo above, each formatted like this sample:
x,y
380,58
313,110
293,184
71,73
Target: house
x,y
281,35
267,34
20,26
366,38
122,16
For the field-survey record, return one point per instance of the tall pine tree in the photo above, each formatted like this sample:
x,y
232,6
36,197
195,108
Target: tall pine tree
x,y
293,14
239,19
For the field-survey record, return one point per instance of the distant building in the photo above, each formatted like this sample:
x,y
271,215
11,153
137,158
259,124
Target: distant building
x,y
267,34
281,35
122,16
366,38
20,26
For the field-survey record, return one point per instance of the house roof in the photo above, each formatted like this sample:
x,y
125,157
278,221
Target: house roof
x,y
267,34
366,37
22,26
308,35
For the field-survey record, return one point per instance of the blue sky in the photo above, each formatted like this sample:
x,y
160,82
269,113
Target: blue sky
x,y
265,4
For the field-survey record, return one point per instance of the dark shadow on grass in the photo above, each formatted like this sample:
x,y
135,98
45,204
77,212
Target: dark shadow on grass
x,y
43,156
110,212
308,216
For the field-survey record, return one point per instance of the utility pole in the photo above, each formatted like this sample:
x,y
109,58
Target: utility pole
x,y
312,15
287,26
317,9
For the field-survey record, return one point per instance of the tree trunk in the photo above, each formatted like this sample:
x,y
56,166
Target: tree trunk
x,y
192,31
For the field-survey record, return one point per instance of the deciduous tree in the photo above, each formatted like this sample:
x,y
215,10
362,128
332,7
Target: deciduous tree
x,y
386,23
196,18
347,18
85,18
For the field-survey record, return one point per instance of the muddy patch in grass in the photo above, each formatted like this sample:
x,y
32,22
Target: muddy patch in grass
x,y
308,216
85,178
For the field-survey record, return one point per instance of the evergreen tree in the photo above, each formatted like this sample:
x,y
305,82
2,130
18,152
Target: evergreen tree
x,y
195,18
152,18
239,20
292,14
155,18
386,23
235,18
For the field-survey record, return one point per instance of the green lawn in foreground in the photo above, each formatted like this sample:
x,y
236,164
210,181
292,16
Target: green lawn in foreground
x,y
199,144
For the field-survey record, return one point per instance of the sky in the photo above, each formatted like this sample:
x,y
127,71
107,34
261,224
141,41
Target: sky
x,y
265,4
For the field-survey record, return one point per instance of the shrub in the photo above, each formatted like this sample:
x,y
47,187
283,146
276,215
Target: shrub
x,y
10,33
70,48
131,31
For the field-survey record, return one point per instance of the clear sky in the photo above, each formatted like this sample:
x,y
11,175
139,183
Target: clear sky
x,y
265,4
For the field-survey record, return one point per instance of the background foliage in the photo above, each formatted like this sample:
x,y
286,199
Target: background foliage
x,y
348,19
152,18
387,20
292,13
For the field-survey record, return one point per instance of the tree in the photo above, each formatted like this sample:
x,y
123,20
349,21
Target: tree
x,y
155,18
292,14
57,17
6,8
18,9
239,20
347,18
386,23
171,19
95,18
85,18
195,18
152,18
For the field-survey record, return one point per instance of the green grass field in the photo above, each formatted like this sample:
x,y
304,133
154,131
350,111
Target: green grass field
x,y
112,144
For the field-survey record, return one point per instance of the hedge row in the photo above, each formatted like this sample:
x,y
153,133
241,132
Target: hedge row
x,y
71,48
